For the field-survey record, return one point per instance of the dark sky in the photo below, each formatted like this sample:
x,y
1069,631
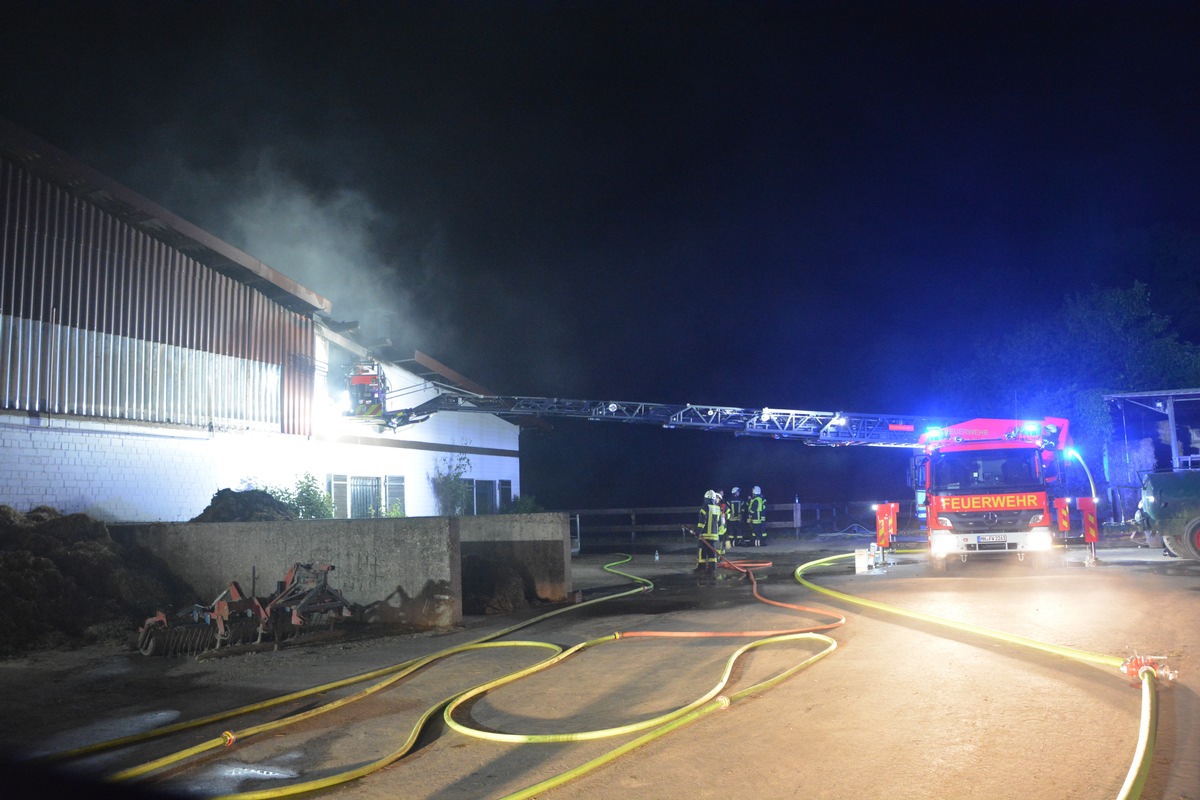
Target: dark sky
x,y
798,205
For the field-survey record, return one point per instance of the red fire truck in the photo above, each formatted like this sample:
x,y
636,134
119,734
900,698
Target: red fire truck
x,y
989,485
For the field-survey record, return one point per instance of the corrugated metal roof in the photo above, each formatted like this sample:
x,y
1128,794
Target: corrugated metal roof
x,y
55,166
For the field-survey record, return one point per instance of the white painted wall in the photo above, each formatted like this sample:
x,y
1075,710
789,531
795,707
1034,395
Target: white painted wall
x,y
132,472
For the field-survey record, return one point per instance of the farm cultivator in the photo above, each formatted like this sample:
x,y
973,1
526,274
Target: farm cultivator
x,y
303,601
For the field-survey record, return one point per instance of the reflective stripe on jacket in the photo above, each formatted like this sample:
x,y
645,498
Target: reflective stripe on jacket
x,y
735,510
710,522
758,508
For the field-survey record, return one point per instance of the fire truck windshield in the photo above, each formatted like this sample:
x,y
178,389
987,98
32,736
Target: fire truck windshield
x,y
1009,468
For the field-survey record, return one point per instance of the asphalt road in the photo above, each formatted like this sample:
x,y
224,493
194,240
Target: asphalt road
x,y
902,707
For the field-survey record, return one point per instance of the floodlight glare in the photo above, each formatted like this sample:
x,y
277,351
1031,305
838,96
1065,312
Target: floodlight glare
x,y
1040,540
1073,453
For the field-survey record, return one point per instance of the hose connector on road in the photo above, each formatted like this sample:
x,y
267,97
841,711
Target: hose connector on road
x,y
1135,665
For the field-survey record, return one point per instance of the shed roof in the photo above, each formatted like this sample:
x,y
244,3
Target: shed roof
x,y
58,168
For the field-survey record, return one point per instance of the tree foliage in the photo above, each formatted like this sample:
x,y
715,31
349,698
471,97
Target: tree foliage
x,y
1169,260
1104,341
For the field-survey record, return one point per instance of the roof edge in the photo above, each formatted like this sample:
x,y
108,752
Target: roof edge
x,y
61,169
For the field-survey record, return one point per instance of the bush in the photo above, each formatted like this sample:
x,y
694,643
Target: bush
x,y
521,505
450,491
396,509
308,500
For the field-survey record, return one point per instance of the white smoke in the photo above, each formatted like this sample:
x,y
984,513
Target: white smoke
x,y
380,271
326,242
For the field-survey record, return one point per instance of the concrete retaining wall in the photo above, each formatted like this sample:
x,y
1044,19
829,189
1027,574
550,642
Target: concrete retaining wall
x,y
539,545
411,564
410,567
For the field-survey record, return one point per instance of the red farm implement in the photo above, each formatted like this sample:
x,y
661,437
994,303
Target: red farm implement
x,y
303,601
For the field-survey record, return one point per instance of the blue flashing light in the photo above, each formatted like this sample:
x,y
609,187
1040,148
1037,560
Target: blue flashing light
x,y
1032,428
934,433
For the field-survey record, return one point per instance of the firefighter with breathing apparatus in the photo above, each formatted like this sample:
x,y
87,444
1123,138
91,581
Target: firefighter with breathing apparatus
x,y
757,517
709,529
735,511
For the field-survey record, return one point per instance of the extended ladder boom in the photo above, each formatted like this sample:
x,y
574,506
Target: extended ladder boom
x,y
810,427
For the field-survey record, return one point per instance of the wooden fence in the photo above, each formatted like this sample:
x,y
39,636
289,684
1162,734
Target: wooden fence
x,y
643,529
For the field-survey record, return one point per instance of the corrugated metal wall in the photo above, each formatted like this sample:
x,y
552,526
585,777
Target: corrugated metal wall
x,y
97,318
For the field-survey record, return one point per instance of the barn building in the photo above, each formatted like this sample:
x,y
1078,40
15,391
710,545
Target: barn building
x,y
146,364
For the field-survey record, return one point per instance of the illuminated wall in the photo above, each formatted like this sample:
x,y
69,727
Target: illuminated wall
x,y
146,364
133,472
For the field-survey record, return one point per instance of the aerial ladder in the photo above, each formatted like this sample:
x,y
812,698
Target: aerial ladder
x,y
810,427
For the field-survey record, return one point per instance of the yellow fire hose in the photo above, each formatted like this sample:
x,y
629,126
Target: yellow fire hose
x,y
674,721
1143,669
110,744
229,737
391,675
580,736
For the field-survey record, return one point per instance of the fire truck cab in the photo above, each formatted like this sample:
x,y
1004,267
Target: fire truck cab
x,y
988,487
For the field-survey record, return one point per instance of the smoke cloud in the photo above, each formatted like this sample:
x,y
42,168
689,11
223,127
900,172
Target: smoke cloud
x,y
324,241
334,240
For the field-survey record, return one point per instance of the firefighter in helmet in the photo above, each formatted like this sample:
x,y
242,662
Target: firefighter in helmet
x,y
756,516
723,527
736,513
709,529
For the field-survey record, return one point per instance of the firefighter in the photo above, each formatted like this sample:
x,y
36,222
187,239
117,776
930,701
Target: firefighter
x,y
723,526
709,530
756,515
736,514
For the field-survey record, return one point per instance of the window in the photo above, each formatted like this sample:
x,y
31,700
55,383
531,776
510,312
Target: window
x,y
485,497
338,489
359,497
366,497
394,497
1014,468
505,494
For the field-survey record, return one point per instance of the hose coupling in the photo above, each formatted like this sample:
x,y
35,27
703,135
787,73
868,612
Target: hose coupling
x,y
1135,665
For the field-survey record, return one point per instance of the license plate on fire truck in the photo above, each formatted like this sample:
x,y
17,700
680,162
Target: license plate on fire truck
x,y
993,537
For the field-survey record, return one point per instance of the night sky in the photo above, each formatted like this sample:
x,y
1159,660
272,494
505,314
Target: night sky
x,y
805,205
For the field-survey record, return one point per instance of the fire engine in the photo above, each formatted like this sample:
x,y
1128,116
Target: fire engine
x,y
989,487
985,486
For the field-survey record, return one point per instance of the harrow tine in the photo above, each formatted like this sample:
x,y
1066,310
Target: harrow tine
x,y
304,602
